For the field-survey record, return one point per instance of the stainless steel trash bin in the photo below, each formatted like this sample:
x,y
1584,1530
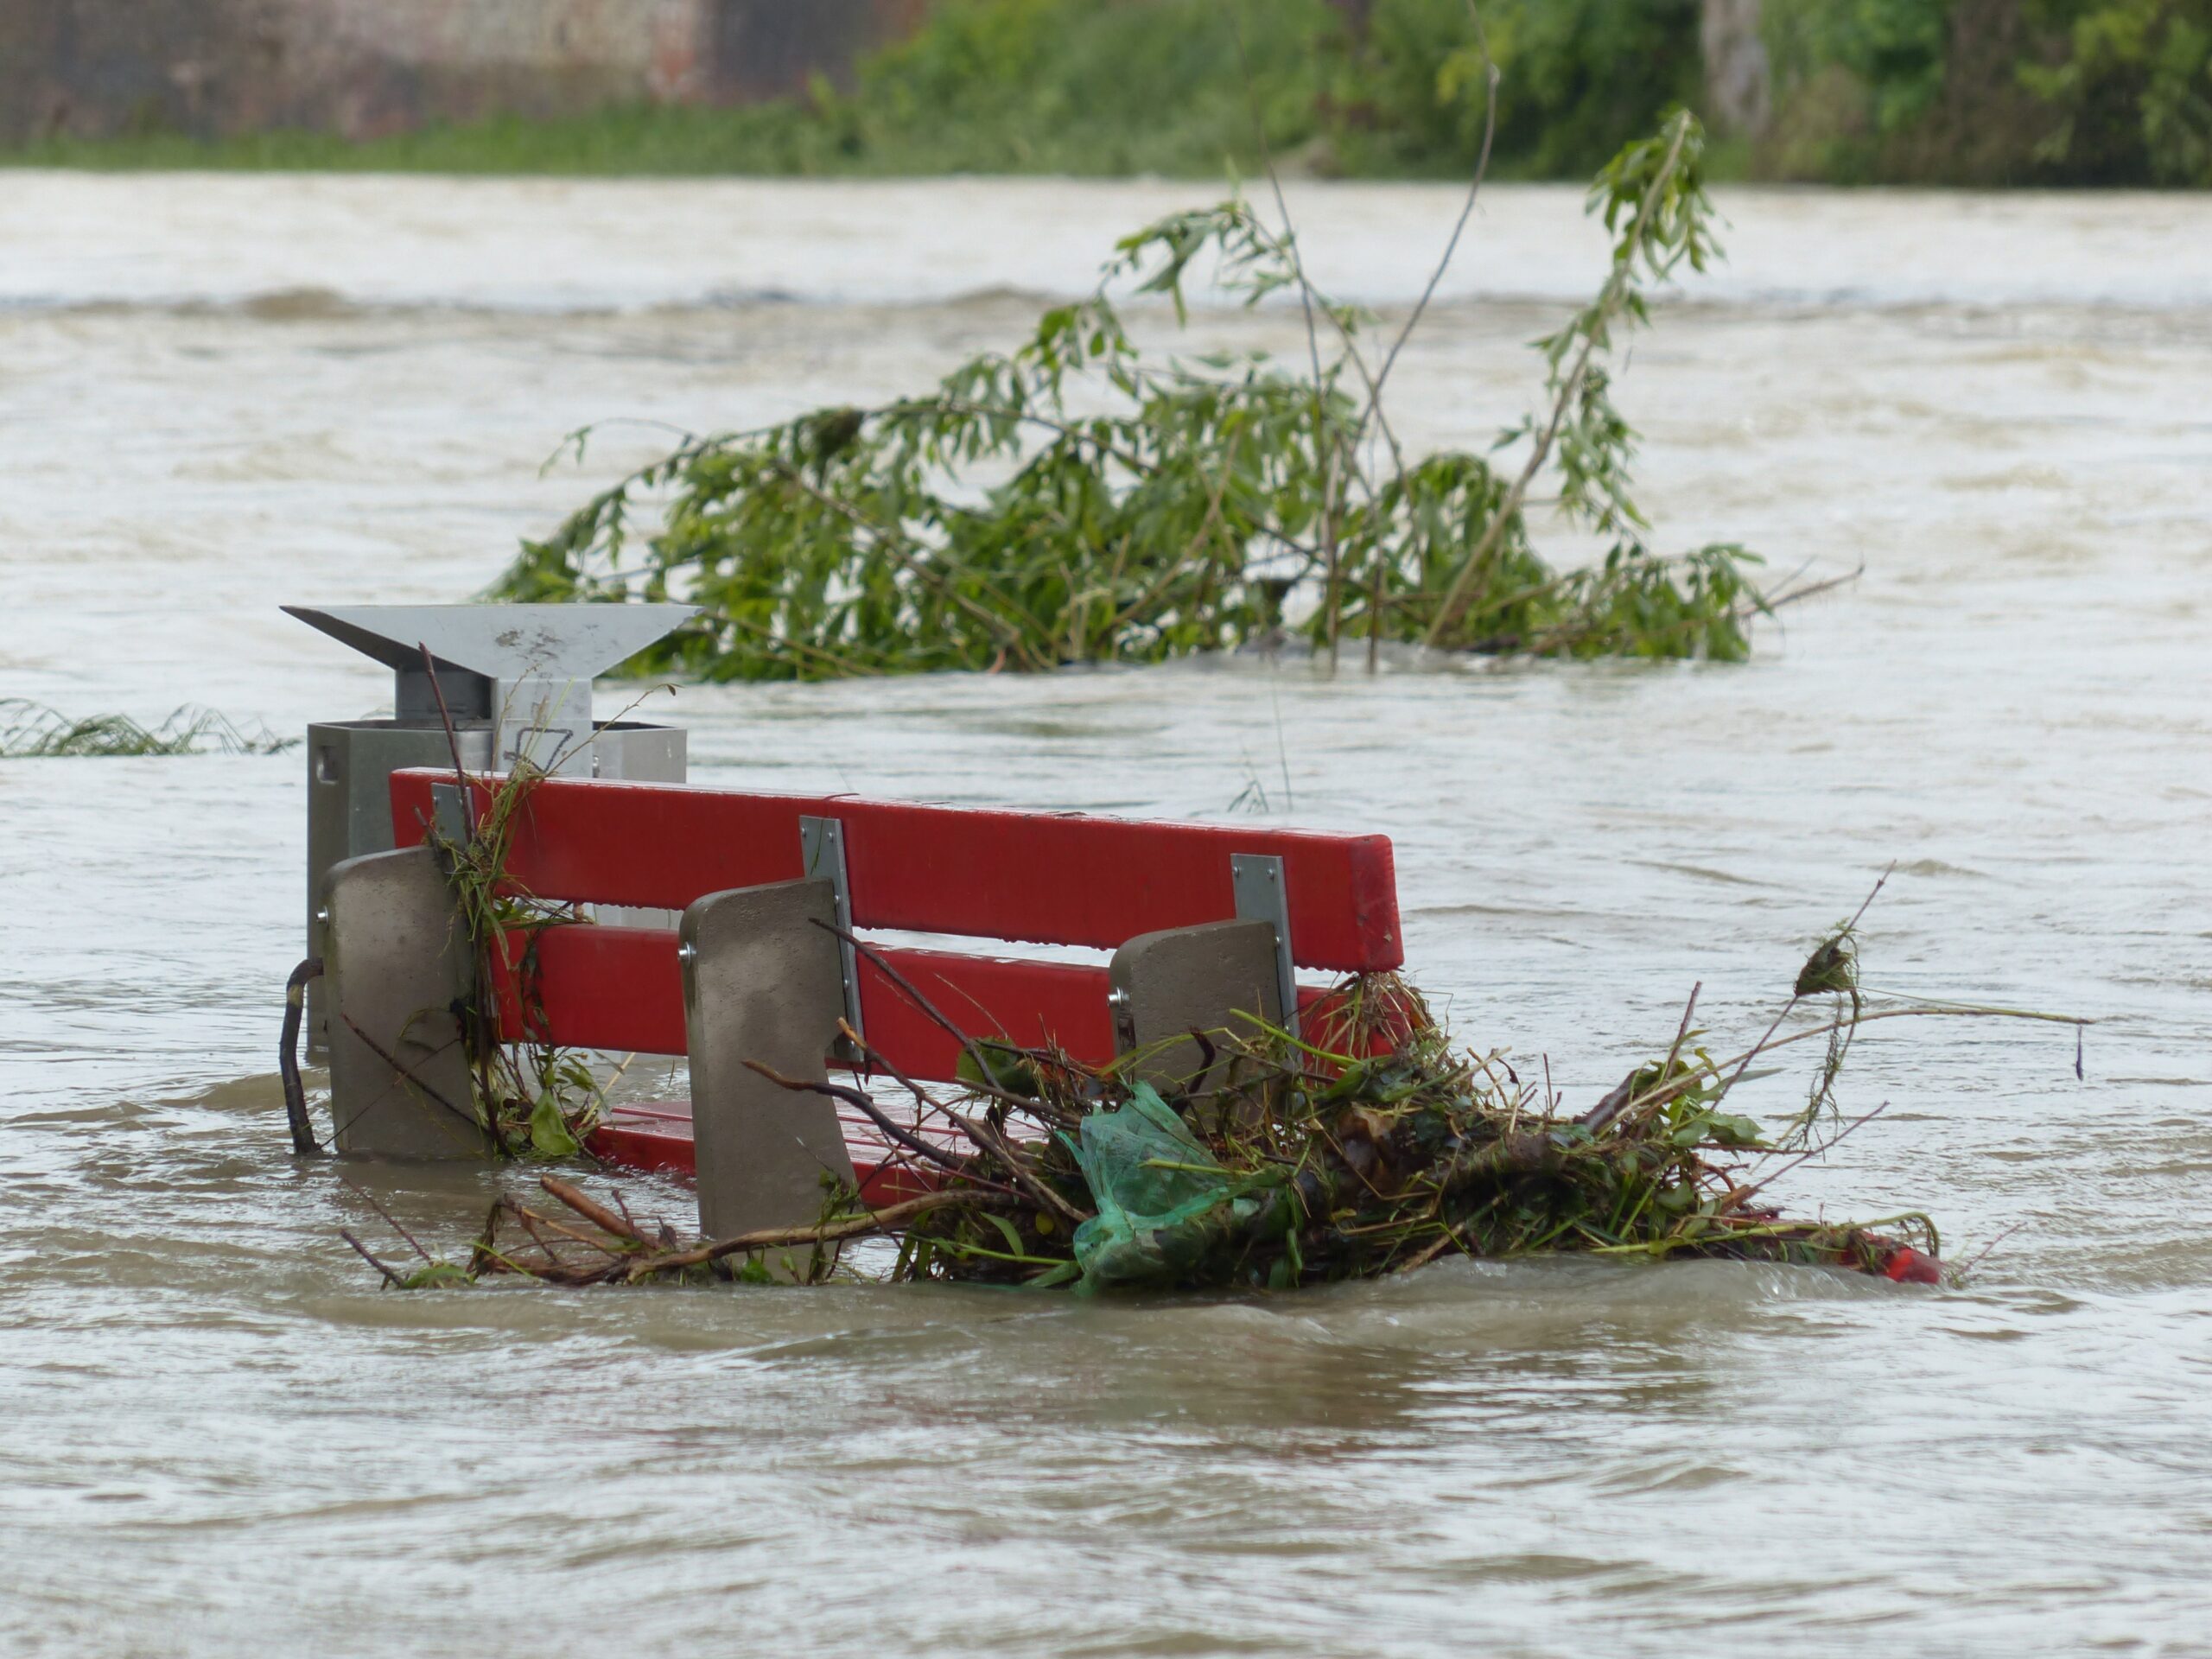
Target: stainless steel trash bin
x,y
515,681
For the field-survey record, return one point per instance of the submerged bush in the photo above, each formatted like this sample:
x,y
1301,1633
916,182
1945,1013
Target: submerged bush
x,y
1074,500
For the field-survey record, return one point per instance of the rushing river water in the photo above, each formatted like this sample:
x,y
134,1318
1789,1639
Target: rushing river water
x,y
215,1431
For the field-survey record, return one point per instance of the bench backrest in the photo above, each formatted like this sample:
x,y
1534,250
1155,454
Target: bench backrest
x,y
1062,878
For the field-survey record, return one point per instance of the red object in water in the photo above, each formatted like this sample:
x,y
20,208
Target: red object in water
x,y
1909,1267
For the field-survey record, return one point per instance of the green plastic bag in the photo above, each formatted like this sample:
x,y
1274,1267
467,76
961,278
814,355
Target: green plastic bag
x,y
1162,1197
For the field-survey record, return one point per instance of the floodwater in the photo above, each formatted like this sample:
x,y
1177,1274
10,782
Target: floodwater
x,y
215,1430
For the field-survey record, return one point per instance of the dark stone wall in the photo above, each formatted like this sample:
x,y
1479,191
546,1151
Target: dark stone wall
x,y
67,65
765,49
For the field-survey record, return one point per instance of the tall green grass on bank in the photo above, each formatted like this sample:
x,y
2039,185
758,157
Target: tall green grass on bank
x,y
1936,91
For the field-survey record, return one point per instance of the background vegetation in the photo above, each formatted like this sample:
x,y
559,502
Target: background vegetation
x,y
1974,91
1991,91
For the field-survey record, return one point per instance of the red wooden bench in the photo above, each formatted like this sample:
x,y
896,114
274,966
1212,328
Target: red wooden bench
x,y
1056,879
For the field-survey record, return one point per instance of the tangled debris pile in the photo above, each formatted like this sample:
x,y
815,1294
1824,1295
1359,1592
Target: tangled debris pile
x,y
1368,1147
1372,1152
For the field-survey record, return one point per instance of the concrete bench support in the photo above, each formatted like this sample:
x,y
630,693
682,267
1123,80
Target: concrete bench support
x,y
762,981
1185,979
397,962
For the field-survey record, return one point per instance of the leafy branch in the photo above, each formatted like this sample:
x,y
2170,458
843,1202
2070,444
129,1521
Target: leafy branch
x,y
1077,499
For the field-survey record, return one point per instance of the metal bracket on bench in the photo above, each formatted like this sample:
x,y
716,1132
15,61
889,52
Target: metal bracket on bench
x,y
452,809
760,987
1261,896
822,852
397,967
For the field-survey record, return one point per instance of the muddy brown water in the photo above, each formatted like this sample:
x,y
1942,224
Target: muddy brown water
x,y
219,394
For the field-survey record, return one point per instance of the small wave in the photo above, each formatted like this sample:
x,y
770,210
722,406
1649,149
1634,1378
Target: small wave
x,y
1936,866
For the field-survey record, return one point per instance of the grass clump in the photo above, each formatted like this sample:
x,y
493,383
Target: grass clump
x,y
1076,500
531,1097
33,731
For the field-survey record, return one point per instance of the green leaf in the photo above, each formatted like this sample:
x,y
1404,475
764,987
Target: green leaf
x,y
549,1136
1728,1129
437,1275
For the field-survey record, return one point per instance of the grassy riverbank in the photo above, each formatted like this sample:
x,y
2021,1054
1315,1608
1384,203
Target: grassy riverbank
x,y
1958,91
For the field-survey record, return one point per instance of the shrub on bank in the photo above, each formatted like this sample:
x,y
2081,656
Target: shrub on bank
x,y
1990,92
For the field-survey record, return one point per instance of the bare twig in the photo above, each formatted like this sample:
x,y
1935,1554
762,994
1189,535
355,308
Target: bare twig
x,y
1459,226
886,1220
860,1101
406,1076
390,1277
1758,1047
452,738
532,1219
1791,595
1608,300
907,988
1738,1197
391,1220
596,1213
1982,1254
1683,1030
979,1133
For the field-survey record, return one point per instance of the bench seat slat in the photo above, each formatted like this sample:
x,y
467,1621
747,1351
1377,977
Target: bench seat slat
x,y
1047,878
619,988
657,1139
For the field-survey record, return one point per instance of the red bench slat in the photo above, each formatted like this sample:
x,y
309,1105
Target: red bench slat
x,y
1028,1003
620,988
611,987
1040,877
657,1139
